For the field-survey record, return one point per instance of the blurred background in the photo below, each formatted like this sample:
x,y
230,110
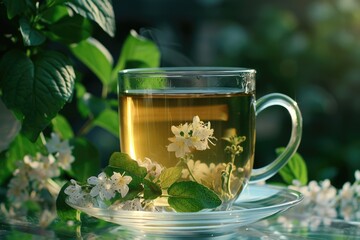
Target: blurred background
x,y
309,50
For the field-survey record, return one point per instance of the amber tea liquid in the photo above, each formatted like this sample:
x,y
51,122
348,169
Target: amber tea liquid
x,y
145,129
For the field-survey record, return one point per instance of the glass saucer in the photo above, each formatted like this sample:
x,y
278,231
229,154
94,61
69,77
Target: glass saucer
x,y
255,203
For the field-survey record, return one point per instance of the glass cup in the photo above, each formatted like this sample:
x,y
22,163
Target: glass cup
x,y
201,119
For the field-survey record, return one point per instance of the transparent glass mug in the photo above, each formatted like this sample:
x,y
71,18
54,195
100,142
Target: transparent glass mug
x,y
202,119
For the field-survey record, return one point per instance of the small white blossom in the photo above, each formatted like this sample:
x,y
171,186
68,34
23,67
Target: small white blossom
x,y
54,144
75,192
153,168
196,135
120,183
102,187
357,175
65,159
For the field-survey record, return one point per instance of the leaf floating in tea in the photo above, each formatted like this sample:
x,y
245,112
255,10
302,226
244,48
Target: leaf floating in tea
x,y
191,196
169,176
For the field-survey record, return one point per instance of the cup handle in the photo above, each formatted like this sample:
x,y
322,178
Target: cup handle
x,y
277,99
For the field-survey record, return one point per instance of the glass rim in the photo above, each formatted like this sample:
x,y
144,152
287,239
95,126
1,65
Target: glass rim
x,y
189,71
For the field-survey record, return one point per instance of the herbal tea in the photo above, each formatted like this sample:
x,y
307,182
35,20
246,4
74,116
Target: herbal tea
x,y
211,136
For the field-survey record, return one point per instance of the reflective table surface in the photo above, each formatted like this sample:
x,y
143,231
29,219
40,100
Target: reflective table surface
x,y
288,225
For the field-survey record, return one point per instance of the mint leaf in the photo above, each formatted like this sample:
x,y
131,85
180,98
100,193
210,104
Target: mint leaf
x,y
169,176
96,57
15,7
124,162
100,11
295,169
70,29
189,196
37,88
137,49
151,190
108,119
54,14
31,36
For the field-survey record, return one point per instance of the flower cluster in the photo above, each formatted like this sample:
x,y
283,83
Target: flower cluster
x,y
195,135
101,186
325,201
33,174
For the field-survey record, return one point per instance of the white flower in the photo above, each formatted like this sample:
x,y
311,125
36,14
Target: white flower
x,y
65,159
180,143
18,190
42,167
54,144
75,192
201,135
346,192
196,135
357,175
153,168
102,187
120,183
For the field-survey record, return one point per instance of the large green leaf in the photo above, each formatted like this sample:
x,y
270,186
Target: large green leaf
x,y
124,161
295,169
137,49
54,14
15,7
38,89
100,11
191,196
87,159
96,57
109,120
70,29
30,35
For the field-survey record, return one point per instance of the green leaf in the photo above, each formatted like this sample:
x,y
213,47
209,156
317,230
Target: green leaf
x,y
87,159
169,176
108,119
54,14
15,7
137,49
124,161
295,169
189,196
100,11
38,89
62,127
19,147
64,211
31,36
70,29
151,190
96,57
